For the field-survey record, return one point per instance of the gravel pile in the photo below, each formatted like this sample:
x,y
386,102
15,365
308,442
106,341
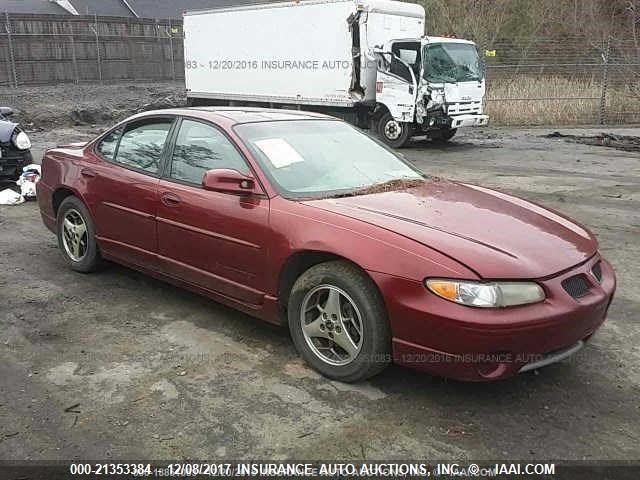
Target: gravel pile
x,y
54,106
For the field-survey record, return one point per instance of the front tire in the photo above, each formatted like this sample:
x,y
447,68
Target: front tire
x,y
76,236
338,322
393,133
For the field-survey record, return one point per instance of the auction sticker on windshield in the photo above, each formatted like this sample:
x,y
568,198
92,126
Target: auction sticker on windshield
x,y
279,152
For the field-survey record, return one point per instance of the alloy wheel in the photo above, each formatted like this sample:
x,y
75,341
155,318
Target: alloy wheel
x,y
74,235
331,325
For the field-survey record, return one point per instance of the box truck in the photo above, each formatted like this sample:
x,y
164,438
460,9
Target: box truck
x,y
366,61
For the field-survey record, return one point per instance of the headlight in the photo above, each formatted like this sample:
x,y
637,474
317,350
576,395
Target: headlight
x,y
486,295
22,141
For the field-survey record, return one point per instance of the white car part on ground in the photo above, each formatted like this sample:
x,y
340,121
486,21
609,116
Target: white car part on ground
x,y
9,197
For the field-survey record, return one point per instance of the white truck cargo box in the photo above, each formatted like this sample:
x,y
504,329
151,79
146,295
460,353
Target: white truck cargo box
x,y
290,52
365,61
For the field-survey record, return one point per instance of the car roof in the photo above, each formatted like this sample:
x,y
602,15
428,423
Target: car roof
x,y
238,115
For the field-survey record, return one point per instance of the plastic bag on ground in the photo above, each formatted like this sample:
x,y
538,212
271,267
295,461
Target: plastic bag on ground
x,y
27,181
9,197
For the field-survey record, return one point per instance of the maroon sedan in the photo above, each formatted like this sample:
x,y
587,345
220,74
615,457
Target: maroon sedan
x,y
300,219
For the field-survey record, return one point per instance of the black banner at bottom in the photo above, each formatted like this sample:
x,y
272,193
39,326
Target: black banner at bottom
x,y
443,470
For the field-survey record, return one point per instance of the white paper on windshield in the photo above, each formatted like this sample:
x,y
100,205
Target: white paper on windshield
x,y
279,152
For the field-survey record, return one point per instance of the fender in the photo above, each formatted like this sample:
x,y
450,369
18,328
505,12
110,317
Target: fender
x,y
6,130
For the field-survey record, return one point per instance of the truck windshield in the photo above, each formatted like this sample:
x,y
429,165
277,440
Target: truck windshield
x,y
452,63
323,158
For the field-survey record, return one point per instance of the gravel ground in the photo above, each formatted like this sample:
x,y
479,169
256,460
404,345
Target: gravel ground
x,y
118,365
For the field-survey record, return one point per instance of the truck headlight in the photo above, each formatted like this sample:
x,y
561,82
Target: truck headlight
x,y
486,295
22,141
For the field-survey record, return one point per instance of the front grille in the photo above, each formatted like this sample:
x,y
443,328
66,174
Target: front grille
x,y
464,107
597,272
576,286
8,151
11,157
10,161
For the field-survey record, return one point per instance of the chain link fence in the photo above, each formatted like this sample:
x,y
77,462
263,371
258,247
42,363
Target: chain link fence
x,y
534,82
569,82
50,49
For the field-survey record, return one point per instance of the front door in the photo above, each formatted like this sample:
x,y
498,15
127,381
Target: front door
x,y
211,239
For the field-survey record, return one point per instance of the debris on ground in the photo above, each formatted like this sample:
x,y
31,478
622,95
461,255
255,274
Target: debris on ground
x,y
27,181
73,408
392,185
10,197
627,143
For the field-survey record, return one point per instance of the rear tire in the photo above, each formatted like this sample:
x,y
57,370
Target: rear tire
x,y
393,133
358,322
76,236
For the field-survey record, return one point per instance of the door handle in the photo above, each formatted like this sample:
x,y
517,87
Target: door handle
x,y
87,172
169,199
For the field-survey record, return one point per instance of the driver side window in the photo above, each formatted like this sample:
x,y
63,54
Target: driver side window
x,y
201,147
410,53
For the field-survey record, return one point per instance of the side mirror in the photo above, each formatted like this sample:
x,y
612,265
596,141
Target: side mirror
x,y
229,181
6,111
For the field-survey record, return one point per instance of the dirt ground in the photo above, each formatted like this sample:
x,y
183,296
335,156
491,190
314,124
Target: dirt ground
x,y
42,108
118,365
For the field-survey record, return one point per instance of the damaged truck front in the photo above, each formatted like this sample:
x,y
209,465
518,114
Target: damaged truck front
x,y
366,61
431,86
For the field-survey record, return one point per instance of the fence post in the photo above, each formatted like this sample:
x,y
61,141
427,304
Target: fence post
x,y
173,67
73,53
605,80
95,16
163,65
131,68
12,59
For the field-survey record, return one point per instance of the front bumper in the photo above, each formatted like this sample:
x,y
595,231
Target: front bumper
x,y
553,357
456,341
461,121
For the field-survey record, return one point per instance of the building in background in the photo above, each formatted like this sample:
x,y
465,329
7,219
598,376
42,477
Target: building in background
x,y
161,9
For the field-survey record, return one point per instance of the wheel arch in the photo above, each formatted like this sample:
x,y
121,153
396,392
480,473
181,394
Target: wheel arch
x,y
379,111
301,261
62,192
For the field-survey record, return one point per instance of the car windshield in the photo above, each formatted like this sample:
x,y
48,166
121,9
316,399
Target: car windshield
x,y
452,63
323,158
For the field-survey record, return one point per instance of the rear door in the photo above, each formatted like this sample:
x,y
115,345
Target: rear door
x,y
211,239
124,189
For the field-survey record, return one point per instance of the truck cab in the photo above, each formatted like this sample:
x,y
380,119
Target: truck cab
x,y
429,86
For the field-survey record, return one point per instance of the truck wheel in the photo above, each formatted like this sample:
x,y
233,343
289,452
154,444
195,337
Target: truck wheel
x,y
444,135
393,133
338,322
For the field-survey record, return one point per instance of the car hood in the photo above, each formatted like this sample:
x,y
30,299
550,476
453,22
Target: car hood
x,y
494,234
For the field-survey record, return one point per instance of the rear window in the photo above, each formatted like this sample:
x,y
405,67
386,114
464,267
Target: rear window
x,y
107,146
142,144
